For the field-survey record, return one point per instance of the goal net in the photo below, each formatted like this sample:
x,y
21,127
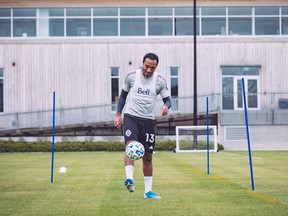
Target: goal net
x,y
195,138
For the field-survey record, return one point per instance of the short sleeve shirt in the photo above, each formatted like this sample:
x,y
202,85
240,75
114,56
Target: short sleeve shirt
x,y
143,92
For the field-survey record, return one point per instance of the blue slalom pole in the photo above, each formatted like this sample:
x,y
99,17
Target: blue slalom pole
x,y
53,135
247,133
207,137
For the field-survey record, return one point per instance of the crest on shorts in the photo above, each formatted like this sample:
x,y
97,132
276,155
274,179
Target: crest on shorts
x,y
128,133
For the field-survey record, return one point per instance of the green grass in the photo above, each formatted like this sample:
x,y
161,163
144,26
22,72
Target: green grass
x,y
93,184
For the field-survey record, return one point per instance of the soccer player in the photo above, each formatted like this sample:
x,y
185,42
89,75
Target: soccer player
x,y
143,86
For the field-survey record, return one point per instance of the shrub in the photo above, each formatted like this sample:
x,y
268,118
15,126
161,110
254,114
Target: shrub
x,y
23,146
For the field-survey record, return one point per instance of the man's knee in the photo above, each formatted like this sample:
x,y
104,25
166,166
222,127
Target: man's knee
x,y
147,159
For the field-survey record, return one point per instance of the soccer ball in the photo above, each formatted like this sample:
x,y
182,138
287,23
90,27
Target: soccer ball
x,y
135,150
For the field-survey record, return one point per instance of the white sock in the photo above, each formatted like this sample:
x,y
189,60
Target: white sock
x,y
148,183
129,169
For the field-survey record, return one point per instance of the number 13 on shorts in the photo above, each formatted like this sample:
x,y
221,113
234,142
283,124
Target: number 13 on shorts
x,y
150,138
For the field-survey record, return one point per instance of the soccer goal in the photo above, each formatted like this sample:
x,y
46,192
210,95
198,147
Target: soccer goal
x,y
194,139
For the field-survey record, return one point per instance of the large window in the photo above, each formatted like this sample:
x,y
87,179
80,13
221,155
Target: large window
x,y
105,21
1,90
114,87
184,21
51,22
78,22
160,21
5,22
240,21
284,20
143,21
232,98
132,21
213,20
24,22
267,21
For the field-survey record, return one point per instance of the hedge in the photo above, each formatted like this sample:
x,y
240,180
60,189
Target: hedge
x,y
23,146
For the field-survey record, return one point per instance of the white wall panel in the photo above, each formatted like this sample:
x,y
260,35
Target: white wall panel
x,y
79,71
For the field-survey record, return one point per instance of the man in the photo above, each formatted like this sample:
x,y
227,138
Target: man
x,y
143,86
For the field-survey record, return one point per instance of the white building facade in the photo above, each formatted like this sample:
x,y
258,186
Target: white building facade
x,y
83,50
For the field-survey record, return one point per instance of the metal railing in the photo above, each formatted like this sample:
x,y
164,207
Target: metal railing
x,y
273,110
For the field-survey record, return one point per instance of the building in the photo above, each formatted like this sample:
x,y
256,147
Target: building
x,y
82,50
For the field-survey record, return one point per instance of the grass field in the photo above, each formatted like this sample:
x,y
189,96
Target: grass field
x,y
93,184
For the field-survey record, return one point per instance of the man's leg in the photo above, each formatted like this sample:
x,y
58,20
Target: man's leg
x,y
148,173
129,170
147,164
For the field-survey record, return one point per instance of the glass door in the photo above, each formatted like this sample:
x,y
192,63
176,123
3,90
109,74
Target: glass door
x,y
251,90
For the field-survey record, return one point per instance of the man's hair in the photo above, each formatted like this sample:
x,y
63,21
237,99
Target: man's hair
x,y
151,56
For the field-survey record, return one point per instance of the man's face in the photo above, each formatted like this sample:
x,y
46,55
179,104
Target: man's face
x,y
149,66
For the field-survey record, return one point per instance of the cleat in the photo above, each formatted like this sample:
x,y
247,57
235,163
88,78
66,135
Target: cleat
x,y
129,184
151,195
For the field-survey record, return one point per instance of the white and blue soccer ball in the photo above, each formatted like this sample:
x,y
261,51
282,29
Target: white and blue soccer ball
x,y
135,150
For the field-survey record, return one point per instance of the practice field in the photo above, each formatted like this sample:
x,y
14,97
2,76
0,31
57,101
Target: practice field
x,y
93,184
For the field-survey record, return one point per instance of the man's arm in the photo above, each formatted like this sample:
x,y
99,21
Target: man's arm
x,y
121,102
120,106
167,104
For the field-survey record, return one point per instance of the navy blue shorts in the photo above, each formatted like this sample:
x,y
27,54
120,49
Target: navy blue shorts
x,y
141,130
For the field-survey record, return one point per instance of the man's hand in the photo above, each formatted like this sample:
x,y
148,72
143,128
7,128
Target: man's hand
x,y
118,121
164,110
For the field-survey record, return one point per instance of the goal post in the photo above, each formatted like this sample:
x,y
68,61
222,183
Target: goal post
x,y
185,138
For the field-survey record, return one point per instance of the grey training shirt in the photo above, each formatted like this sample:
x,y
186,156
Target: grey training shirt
x,y
143,92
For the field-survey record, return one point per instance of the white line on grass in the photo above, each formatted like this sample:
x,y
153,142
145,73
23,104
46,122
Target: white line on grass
x,y
239,155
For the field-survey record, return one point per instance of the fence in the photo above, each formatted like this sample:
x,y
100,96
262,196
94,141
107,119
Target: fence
x,y
273,109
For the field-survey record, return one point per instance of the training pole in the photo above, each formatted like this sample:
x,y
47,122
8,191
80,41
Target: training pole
x,y
53,135
247,133
207,136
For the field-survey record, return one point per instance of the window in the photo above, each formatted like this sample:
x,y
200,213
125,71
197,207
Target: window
x,y
186,11
56,27
267,21
284,20
104,12
132,21
160,21
213,26
240,26
24,27
1,90
114,87
160,26
78,27
213,21
5,22
105,27
174,87
105,22
240,21
184,21
284,25
185,26
232,98
239,11
266,26
132,11
78,22
51,22
132,26
143,21
24,22
213,11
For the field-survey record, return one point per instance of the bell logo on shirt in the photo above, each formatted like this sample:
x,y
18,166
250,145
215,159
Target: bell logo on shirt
x,y
143,92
